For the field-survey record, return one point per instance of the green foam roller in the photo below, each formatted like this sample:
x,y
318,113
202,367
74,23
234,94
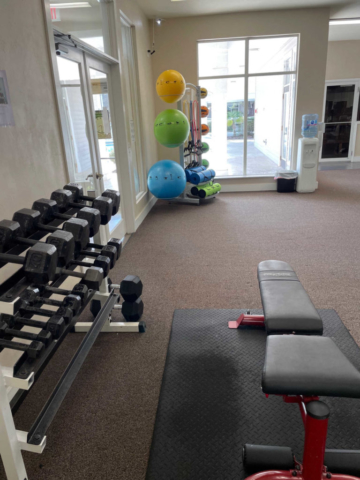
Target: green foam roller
x,y
207,190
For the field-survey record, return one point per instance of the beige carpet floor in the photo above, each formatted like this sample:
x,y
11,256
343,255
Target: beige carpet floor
x,y
192,257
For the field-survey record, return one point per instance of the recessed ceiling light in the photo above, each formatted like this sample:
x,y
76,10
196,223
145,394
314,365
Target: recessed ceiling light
x,y
70,5
177,0
344,21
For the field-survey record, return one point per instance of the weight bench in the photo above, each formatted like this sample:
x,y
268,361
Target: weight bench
x,y
301,368
287,307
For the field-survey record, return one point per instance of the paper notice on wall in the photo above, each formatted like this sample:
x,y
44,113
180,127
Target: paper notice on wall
x,y
6,111
102,124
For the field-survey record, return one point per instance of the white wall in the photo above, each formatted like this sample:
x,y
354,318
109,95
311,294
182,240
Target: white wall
x,y
343,60
31,153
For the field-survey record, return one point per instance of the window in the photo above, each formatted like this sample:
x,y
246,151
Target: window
x,y
251,87
132,107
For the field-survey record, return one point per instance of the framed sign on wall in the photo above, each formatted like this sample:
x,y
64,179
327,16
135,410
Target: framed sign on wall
x,y
6,111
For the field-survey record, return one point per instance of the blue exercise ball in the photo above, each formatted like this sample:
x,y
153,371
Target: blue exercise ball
x,y
166,179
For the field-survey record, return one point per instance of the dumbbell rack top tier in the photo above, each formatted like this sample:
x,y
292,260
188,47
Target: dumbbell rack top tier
x,y
26,367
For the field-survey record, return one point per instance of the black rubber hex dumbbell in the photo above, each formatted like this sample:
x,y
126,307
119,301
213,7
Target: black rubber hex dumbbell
x,y
31,295
43,336
78,193
55,325
107,251
113,242
65,200
131,289
49,211
34,350
100,261
11,234
79,289
40,266
30,221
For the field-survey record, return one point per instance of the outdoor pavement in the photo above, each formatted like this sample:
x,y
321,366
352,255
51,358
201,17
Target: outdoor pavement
x,y
258,164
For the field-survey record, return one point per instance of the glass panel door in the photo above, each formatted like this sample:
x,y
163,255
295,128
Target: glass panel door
x,y
338,118
106,174
71,76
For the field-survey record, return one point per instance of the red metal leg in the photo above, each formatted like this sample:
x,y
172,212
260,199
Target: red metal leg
x,y
314,447
246,319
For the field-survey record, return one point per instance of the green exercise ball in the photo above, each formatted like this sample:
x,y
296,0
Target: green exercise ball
x,y
171,128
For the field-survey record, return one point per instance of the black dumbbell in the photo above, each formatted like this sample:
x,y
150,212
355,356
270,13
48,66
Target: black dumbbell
x,y
78,193
107,251
39,263
132,311
65,200
100,261
40,266
34,350
31,295
43,336
30,221
49,210
55,325
131,288
79,290
113,242
11,234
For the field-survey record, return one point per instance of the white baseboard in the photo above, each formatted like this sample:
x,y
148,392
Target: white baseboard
x,y
141,217
249,187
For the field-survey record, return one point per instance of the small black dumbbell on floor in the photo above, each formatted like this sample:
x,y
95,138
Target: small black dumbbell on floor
x,y
43,336
34,350
65,200
32,296
30,221
78,194
55,325
131,289
49,211
11,234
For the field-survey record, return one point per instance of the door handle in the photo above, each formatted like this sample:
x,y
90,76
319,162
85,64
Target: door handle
x,y
98,175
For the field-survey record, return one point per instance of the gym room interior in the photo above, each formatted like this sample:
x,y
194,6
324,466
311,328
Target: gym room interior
x,y
179,239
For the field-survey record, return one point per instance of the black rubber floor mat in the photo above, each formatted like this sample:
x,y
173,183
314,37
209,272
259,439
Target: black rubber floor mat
x,y
211,401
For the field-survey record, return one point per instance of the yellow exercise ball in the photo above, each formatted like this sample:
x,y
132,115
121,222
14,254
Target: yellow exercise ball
x,y
170,86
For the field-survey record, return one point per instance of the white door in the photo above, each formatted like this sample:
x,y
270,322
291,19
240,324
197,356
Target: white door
x,y
106,175
88,137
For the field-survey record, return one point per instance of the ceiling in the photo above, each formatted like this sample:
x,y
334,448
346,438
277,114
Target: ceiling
x,y
168,8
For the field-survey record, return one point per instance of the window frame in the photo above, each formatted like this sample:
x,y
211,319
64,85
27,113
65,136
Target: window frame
x,y
246,75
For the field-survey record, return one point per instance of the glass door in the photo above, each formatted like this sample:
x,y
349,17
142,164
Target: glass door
x,y
106,174
339,117
87,129
78,129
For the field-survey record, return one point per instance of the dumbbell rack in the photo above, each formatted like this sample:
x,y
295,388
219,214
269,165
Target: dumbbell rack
x,y
16,379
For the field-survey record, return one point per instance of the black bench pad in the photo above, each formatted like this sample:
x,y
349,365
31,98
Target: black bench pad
x,y
287,306
303,365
